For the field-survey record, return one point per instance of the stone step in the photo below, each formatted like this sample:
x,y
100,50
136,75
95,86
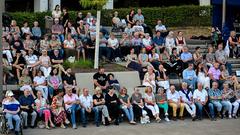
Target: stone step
x,y
196,42
235,65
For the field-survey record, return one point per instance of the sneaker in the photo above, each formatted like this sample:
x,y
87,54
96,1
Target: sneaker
x,y
167,119
194,118
74,126
230,116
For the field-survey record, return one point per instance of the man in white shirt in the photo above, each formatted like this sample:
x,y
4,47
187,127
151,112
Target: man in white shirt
x,y
174,102
186,98
71,102
160,27
86,102
200,97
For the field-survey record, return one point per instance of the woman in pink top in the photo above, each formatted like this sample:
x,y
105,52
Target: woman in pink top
x,y
43,108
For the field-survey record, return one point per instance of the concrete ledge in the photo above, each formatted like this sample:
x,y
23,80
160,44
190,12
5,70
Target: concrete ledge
x,y
129,79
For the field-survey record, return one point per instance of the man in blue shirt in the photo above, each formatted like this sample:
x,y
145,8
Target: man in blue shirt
x,y
189,76
27,104
158,41
186,57
12,107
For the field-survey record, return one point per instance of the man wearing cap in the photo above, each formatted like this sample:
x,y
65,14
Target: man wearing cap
x,y
12,107
26,105
71,102
189,76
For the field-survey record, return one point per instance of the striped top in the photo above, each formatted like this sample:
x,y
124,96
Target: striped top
x,y
11,105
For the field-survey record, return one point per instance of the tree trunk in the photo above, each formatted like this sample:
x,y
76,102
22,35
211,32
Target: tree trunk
x,y
96,58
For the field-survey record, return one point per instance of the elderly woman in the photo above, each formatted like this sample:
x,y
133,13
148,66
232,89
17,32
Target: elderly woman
x,y
12,107
112,103
58,111
99,104
170,42
43,108
149,78
229,100
126,105
161,100
150,103
137,103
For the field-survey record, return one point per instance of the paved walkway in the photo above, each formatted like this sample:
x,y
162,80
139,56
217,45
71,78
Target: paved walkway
x,y
187,127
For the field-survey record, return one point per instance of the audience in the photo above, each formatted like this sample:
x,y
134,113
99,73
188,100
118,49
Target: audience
x,y
37,63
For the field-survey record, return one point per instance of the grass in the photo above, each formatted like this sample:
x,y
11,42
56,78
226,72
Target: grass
x,y
87,64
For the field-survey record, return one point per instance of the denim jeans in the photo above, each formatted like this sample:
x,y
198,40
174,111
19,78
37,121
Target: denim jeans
x,y
84,117
129,113
227,106
199,109
10,117
213,104
72,110
191,82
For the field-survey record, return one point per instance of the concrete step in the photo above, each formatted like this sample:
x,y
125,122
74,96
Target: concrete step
x,y
236,65
196,42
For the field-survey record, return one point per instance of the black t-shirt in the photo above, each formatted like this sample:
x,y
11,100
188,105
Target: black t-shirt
x,y
21,60
53,57
69,79
109,99
98,98
160,74
101,78
65,18
17,47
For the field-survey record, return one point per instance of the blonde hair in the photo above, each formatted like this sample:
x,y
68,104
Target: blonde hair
x,y
146,89
121,90
97,89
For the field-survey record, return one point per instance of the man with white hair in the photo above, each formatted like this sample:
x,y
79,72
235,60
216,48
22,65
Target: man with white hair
x,y
200,97
186,97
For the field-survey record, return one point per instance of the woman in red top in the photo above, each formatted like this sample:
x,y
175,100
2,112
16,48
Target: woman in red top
x,y
180,41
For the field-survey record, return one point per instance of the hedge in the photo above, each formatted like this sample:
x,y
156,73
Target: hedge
x,y
172,16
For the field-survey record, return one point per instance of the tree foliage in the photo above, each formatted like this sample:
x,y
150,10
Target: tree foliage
x,y
93,3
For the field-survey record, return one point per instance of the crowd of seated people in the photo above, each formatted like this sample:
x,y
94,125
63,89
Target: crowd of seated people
x,y
49,90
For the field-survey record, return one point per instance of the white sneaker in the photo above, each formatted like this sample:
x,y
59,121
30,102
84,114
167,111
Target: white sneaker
x,y
230,116
167,119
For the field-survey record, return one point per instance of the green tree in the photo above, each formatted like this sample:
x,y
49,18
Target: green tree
x,y
93,3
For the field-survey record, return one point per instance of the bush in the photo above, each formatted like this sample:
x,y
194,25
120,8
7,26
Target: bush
x,y
87,64
171,16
